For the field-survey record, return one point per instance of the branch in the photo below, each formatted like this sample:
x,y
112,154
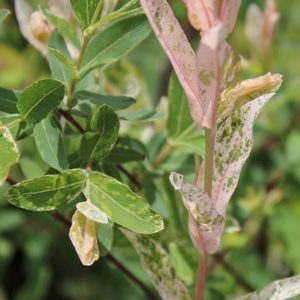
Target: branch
x,y
69,117
131,177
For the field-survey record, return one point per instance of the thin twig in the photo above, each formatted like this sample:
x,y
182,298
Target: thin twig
x,y
10,181
69,117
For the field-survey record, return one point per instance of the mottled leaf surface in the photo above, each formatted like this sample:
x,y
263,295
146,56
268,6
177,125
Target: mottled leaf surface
x,y
277,290
205,223
97,144
86,11
156,261
253,88
49,144
177,47
8,100
9,153
115,102
234,141
47,192
58,69
122,205
114,42
3,14
39,99
179,118
92,212
84,236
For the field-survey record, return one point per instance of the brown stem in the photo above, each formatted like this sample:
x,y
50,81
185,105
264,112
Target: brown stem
x,y
69,117
10,181
201,277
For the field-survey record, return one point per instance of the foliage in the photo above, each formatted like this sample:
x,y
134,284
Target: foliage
x,y
83,144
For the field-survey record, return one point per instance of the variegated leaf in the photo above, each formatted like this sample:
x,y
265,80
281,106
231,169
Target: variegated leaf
x,y
277,290
205,223
92,212
253,88
176,45
234,141
229,14
155,260
216,67
84,236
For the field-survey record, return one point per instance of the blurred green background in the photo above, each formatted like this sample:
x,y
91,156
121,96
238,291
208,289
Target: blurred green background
x,y
37,260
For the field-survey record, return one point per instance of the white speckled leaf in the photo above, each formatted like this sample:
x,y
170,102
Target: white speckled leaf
x,y
205,223
92,212
155,260
122,205
9,153
218,75
84,236
202,14
178,49
47,192
229,14
234,141
277,290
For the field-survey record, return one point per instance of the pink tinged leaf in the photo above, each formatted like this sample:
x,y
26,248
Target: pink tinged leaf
x,y
205,223
202,14
277,290
177,47
234,141
212,56
84,236
229,12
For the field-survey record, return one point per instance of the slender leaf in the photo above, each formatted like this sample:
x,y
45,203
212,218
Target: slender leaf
x,y
277,290
84,236
179,118
195,143
3,14
216,67
144,115
58,69
176,45
87,11
156,261
234,141
8,100
205,223
47,192
115,102
121,155
67,62
105,238
92,212
39,99
253,88
9,152
49,144
114,42
122,205
64,28
97,144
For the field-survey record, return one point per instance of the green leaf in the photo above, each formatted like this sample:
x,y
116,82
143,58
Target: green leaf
x,y
8,100
115,102
9,152
87,11
15,127
39,99
144,115
3,14
92,212
277,290
64,28
122,205
47,192
179,118
105,238
84,236
114,42
156,261
97,144
68,63
121,155
195,143
49,144
58,69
